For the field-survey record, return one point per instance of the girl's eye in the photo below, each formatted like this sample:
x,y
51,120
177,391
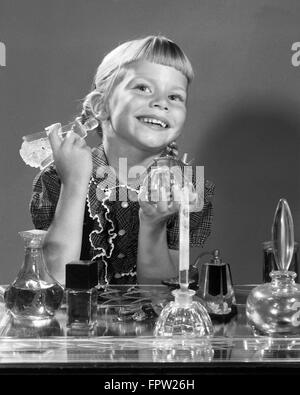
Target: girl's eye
x,y
176,98
143,88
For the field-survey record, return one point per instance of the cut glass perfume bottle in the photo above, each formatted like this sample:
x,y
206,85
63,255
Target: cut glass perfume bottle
x,y
165,174
183,317
36,149
34,294
274,308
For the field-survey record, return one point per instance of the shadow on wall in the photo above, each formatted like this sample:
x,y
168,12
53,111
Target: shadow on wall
x,y
252,155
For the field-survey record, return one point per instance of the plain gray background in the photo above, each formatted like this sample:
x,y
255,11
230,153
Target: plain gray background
x,y
244,109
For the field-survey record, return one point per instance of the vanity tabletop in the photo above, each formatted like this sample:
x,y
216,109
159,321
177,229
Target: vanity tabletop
x,y
123,339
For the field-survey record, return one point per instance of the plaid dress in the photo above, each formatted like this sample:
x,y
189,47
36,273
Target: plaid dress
x,y
111,221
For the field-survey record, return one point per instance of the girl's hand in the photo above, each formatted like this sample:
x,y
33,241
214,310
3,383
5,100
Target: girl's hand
x,y
162,205
72,156
156,211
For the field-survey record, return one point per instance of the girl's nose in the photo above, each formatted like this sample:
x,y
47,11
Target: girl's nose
x,y
160,103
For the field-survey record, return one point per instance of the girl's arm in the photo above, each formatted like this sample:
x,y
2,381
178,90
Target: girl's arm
x,y
155,262
74,165
63,240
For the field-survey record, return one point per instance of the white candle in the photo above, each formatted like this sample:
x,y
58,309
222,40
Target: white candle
x,y
184,231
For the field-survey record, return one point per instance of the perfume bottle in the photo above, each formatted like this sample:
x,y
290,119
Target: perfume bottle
x,y
163,174
81,294
168,174
274,308
183,317
215,286
36,149
34,294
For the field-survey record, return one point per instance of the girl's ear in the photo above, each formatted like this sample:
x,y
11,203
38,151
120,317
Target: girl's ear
x,y
97,106
95,100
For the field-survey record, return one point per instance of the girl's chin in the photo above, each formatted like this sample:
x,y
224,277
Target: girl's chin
x,y
154,147
155,143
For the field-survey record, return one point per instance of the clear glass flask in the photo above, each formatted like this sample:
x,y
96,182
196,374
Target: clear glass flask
x,y
274,308
36,149
34,294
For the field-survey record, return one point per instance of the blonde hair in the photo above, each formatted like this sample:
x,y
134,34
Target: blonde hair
x,y
155,49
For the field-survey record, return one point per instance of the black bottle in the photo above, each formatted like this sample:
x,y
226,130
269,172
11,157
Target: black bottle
x,y
81,294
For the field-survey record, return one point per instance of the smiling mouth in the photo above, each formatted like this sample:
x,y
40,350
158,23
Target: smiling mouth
x,y
154,122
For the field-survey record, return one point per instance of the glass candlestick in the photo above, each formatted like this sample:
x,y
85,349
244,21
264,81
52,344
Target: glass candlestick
x,y
274,308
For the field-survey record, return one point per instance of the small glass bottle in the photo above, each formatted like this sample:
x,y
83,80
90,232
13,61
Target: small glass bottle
x,y
36,150
34,294
81,294
274,308
216,287
165,174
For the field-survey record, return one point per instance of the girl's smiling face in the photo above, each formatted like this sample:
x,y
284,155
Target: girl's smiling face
x,y
147,108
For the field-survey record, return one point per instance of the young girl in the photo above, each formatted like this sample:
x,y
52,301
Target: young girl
x,y
140,101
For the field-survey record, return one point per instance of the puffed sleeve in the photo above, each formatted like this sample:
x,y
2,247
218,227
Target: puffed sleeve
x,y
200,222
44,198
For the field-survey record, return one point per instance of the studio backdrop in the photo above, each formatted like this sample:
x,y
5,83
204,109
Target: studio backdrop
x,y
243,120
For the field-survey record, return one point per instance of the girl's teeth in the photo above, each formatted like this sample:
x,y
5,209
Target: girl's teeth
x,y
154,121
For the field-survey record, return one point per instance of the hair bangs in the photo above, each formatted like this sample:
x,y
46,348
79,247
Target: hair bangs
x,y
160,50
163,51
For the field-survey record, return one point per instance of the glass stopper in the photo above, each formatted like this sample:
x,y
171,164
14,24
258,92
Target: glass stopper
x,y
283,235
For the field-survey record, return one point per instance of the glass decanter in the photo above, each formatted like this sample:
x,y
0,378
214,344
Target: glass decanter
x,y
36,150
34,294
274,308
